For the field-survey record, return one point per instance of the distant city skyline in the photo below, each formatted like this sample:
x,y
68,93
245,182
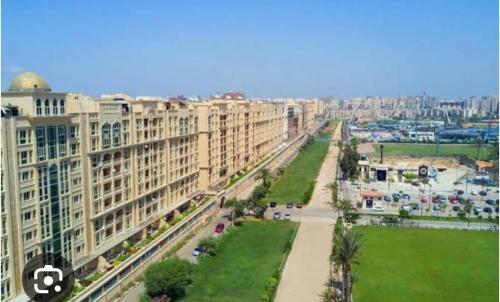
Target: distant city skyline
x,y
274,49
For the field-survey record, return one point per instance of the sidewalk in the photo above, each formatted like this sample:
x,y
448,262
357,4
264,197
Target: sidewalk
x,y
308,266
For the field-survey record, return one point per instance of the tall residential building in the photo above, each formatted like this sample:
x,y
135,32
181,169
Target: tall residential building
x,y
80,175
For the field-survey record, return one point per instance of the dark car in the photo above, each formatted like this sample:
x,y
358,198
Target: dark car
x,y
415,184
387,198
299,205
406,196
289,205
496,210
460,192
272,204
487,210
456,208
483,193
491,202
415,206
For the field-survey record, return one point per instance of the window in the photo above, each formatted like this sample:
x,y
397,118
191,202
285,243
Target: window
x,y
23,157
106,136
28,236
27,216
38,107
47,107
22,137
25,175
73,132
52,141
63,109
93,128
116,134
196,124
54,107
62,140
40,141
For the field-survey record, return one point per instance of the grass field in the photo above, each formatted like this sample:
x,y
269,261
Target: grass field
x,y
427,265
304,169
469,150
245,259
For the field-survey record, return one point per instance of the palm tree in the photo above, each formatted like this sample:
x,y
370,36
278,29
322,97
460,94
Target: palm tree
x,y
345,206
345,255
236,208
467,209
334,188
266,177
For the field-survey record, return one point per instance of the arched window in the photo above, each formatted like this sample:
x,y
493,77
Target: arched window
x,y
181,126
54,107
63,109
196,124
186,125
106,136
116,134
47,107
38,107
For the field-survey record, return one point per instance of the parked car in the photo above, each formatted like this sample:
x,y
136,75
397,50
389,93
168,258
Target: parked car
x,y
406,208
491,202
378,209
456,208
415,184
406,196
461,199
435,199
396,196
424,199
453,201
299,205
415,206
460,192
198,251
387,198
452,197
473,193
487,210
477,208
442,198
272,204
288,216
277,215
483,193
436,207
289,205
219,228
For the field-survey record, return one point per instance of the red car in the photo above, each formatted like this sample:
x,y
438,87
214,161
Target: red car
x,y
435,199
219,228
453,199
424,199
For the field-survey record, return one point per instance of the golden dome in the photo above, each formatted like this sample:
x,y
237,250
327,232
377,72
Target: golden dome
x,y
29,82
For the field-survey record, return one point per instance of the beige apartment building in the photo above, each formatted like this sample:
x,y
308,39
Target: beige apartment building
x,y
82,175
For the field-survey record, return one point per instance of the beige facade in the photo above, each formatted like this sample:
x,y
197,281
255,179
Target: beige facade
x,y
82,175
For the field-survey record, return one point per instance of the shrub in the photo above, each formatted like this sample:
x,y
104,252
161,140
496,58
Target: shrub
x,y
404,214
309,192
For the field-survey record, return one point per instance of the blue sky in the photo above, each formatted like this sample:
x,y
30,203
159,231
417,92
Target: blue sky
x,y
265,48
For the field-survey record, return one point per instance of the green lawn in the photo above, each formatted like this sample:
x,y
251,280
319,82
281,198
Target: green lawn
x,y
469,150
304,169
246,258
427,265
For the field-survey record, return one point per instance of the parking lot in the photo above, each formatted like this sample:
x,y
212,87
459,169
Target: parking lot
x,y
447,184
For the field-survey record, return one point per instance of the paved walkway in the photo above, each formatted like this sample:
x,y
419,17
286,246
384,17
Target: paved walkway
x,y
307,267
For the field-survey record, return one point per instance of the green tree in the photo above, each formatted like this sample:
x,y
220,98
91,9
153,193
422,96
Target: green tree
x,y
259,192
349,161
208,244
344,256
410,176
168,279
266,177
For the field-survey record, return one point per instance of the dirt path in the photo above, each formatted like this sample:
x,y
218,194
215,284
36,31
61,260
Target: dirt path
x,y
307,267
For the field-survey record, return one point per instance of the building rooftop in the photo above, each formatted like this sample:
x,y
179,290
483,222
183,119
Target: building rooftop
x,y
29,82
